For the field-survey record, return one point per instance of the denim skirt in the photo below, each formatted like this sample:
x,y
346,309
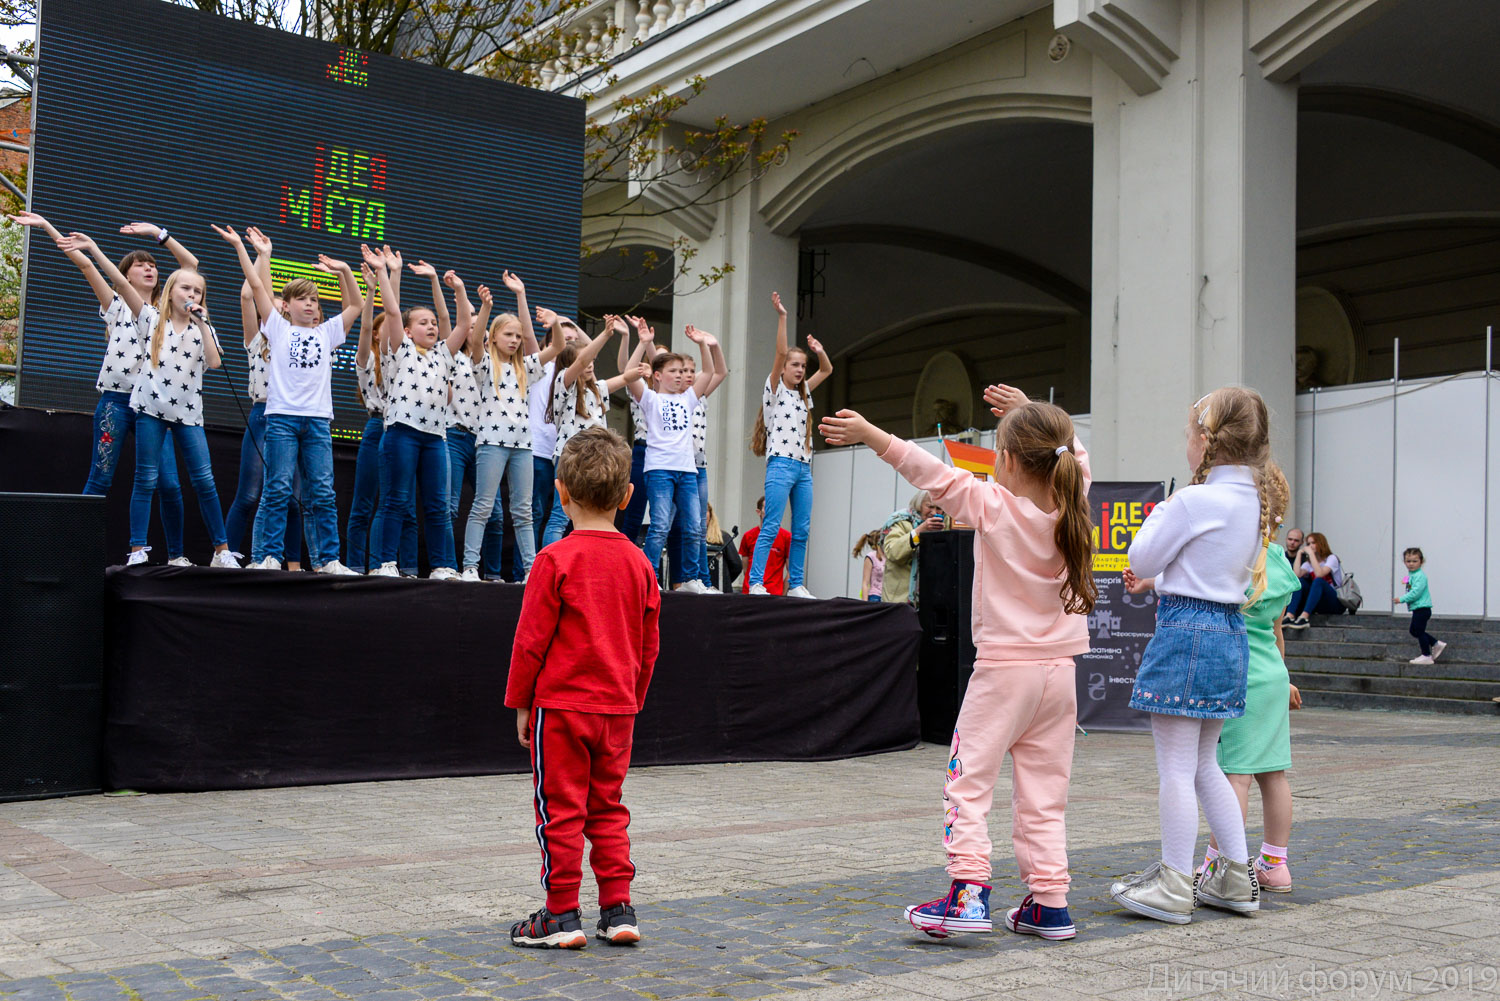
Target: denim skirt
x,y
1196,664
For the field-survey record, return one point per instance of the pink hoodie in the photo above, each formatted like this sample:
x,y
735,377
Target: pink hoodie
x,y
1018,572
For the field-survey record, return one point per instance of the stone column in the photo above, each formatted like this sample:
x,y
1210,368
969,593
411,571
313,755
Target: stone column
x,y
1194,226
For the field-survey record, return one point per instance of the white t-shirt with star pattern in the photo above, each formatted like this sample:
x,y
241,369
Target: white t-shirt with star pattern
x,y
700,435
123,353
565,411
172,390
786,418
371,388
463,402
257,355
417,387
637,421
505,412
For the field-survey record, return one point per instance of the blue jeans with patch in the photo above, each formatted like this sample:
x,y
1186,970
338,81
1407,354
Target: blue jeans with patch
x,y
673,494
150,433
113,421
787,480
296,443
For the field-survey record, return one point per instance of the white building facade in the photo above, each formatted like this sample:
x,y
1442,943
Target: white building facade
x,y
1120,204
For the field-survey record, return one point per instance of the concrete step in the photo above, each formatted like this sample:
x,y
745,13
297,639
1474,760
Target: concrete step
x,y
1489,643
1445,668
1395,703
1367,620
1433,688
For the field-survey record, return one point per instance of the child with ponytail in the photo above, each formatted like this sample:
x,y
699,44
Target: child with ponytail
x,y
1206,548
783,434
1033,588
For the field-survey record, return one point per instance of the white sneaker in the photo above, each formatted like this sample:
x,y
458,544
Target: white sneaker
x,y
225,559
1423,659
443,573
137,557
179,561
758,589
1438,648
269,563
385,570
337,569
696,587
801,592
470,573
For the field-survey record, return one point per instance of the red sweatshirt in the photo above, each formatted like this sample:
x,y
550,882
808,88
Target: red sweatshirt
x,y
587,638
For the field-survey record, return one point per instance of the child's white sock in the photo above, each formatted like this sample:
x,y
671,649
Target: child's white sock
x,y
1272,855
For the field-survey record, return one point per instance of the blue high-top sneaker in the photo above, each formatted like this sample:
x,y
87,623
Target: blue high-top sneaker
x,y
1031,918
965,908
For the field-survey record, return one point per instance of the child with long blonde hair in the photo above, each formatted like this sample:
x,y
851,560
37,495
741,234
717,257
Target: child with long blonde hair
x,y
872,575
1206,548
1033,588
783,434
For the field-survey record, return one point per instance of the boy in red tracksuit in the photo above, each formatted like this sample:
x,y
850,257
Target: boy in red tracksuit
x,y
582,659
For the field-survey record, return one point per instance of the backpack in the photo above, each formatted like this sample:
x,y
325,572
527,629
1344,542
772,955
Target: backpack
x,y
1349,595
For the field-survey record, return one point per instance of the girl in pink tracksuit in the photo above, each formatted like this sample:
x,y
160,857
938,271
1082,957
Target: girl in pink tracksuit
x,y
1033,587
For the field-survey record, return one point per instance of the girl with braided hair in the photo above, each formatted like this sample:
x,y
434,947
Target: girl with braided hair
x,y
1206,548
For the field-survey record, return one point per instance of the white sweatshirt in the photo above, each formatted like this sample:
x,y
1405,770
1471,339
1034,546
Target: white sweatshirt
x,y
1203,542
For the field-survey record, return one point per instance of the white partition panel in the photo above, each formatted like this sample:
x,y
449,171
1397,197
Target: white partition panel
x,y
1492,490
827,551
1302,482
1440,504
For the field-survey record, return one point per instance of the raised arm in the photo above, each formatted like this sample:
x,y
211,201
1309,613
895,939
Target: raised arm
x,y
779,362
97,282
390,295
517,288
556,340
163,239
482,322
263,303
825,366
439,301
461,336
249,322
83,243
632,373
587,354
706,371
721,367
349,295
262,244
366,315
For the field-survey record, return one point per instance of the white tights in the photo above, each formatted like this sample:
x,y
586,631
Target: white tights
x,y
1188,766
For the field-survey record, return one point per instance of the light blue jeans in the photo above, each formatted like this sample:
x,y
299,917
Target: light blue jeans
x,y
461,467
673,495
786,480
494,464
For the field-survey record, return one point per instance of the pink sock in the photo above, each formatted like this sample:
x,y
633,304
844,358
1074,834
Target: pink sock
x,y
1273,855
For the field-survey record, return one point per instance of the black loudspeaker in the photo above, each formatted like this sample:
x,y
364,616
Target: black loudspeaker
x,y
52,634
945,582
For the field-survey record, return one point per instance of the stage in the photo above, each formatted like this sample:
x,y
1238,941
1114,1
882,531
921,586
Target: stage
x,y
237,679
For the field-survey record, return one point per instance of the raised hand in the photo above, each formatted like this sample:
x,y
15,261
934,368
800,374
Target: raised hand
x,y
693,334
423,268
76,241
484,295
776,303
368,274
28,219
392,257
546,317
228,233
643,370
373,258
643,330
330,264
815,344
1003,399
260,241
146,229
615,324
451,279
513,282
848,428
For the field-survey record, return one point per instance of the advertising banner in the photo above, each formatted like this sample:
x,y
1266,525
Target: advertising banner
x,y
1121,624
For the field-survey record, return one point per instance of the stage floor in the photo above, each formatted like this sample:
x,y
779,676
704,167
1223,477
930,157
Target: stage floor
x,y
221,679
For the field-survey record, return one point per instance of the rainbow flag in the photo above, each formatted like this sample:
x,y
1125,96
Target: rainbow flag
x,y
977,460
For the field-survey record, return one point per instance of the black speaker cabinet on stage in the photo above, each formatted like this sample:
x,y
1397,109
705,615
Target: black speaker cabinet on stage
x,y
52,638
945,581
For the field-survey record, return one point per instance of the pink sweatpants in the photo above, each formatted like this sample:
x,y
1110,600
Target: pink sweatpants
x,y
1029,710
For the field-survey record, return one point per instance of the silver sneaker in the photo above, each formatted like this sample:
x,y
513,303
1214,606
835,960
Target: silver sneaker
x,y
1229,886
1160,892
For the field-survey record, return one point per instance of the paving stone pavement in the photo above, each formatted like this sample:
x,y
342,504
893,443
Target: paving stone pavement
x,y
756,881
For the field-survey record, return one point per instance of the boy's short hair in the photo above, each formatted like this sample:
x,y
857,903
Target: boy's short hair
x,y
300,288
595,467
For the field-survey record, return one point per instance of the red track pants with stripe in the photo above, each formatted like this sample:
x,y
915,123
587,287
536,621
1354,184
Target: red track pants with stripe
x,y
578,766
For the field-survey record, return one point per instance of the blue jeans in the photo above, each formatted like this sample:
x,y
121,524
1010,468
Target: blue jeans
x,y
364,520
674,494
786,479
293,444
416,461
1318,597
461,467
113,420
407,551
630,519
675,539
150,433
247,490
543,472
494,464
